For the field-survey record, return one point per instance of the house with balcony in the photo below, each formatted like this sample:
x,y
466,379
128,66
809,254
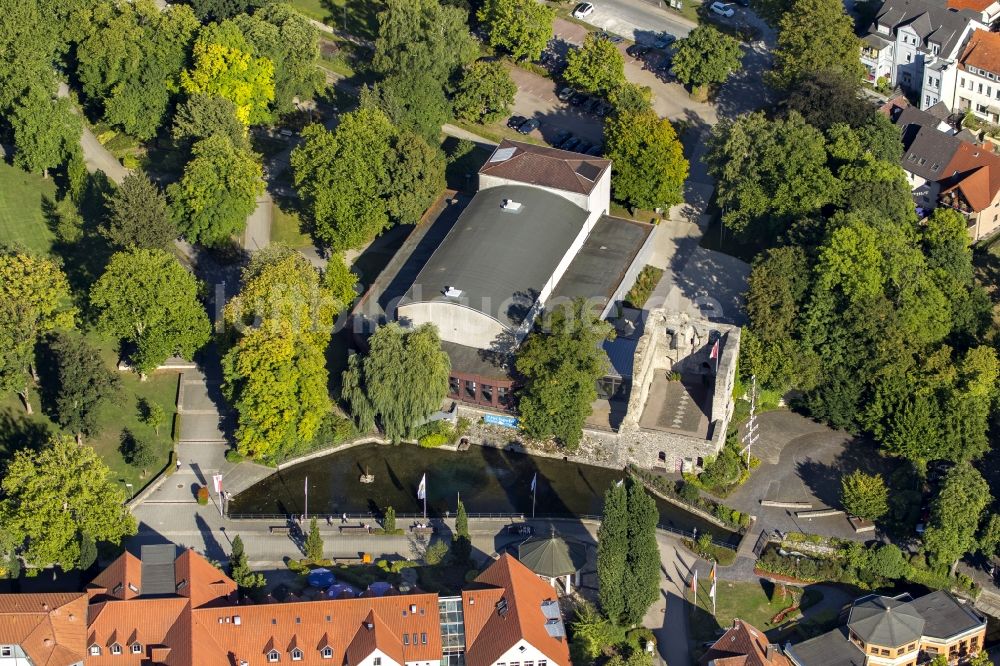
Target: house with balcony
x,y
978,77
915,44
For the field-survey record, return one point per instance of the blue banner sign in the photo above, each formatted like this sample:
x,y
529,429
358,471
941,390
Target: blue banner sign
x,y
497,419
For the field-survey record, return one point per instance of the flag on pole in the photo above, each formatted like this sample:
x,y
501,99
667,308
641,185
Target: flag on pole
x,y
422,488
715,351
711,576
307,485
711,593
534,482
694,584
217,482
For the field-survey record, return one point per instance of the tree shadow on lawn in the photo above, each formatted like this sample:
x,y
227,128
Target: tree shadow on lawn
x,y
354,17
21,432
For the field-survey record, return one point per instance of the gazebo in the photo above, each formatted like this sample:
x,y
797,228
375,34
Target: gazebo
x,y
553,558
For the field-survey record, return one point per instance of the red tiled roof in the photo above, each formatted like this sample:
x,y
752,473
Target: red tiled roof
x,y
305,623
546,167
975,172
982,51
492,633
203,583
118,579
50,628
974,5
150,622
743,645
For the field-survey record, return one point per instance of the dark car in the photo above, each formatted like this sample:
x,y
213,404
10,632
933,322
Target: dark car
x,y
664,40
614,39
590,104
515,122
520,529
743,3
596,151
528,126
583,147
637,50
570,144
560,137
577,99
565,94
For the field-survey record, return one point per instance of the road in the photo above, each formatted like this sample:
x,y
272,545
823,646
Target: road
x,y
637,20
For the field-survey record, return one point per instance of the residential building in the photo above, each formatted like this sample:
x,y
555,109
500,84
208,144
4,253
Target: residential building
x,y
988,10
179,610
897,631
978,87
743,645
915,44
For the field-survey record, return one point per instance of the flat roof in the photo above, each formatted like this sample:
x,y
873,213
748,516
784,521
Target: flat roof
x,y
473,361
500,259
829,649
599,267
945,616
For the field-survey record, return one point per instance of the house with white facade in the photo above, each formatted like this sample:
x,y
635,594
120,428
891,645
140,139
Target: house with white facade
x,y
978,77
915,44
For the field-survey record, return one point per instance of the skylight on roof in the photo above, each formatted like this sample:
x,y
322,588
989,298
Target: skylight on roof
x,y
502,155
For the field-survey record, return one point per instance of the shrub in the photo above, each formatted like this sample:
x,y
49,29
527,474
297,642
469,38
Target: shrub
x,y
234,456
433,441
389,520
704,541
644,285
203,495
130,161
470,575
689,492
435,552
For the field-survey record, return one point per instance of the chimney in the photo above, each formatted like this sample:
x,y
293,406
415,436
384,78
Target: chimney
x,y
772,652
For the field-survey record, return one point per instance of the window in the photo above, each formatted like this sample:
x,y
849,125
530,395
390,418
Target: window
x,y
377,661
136,648
329,618
453,386
116,649
873,650
423,638
487,392
406,639
927,100
961,82
503,394
909,57
979,87
95,650
327,652
298,620
885,653
911,647
414,637
6,651
981,108
296,655
273,656
989,91
470,389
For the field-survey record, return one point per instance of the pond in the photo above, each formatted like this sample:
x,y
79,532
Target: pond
x,y
489,481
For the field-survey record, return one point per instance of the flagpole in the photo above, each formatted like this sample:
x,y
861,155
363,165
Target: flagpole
x,y
306,516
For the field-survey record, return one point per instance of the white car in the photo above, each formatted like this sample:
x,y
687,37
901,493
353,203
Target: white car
x,y
583,10
722,9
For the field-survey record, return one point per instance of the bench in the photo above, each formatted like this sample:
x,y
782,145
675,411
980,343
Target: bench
x,y
279,529
422,530
354,528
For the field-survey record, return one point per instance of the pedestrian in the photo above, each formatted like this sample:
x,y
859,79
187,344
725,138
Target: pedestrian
x,y
343,519
178,464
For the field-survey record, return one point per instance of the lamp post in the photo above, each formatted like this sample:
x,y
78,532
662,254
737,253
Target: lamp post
x,y
130,493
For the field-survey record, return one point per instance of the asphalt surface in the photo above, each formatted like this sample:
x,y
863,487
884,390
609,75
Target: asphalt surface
x,y
637,20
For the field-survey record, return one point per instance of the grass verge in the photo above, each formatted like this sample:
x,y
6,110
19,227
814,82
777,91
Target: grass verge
x,y
22,208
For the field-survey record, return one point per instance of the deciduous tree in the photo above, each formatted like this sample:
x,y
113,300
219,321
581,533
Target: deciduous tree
x,y
147,298
224,65
522,28
137,451
864,495
415,102
138,216
596,67
400,382
34,299
816,36
80,382
955,515
423,37
219,10
612,551
485,92
706,56
561,363
650,168
217,192
46,131
416,178
28,43
201,116
53,496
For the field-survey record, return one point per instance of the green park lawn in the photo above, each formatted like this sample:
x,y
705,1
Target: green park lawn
x,y
286,227
22,208
18,430
360,15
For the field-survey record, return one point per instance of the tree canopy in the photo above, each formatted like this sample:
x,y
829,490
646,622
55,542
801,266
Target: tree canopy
x,y
201,116
217,192
400,381
485,92
612,551
706,56
955,515
650,168
864,495
561,362
522,28
628,557
79,382
46,131
225,65
816,36
596,67
53,496
138,216
275,373
147,298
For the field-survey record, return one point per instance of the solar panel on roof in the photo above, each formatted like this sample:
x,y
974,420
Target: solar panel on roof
x,y
503,154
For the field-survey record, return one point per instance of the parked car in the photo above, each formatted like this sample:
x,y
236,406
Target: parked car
x,y
515,122
560,138
590,104
743,3
664,40
722,9
520,529
595,151
570,144
583,10
614,39
637,50
577,99
528,126
583,147
565,94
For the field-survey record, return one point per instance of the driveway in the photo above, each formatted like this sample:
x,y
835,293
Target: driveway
x,y
637,20
536,98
